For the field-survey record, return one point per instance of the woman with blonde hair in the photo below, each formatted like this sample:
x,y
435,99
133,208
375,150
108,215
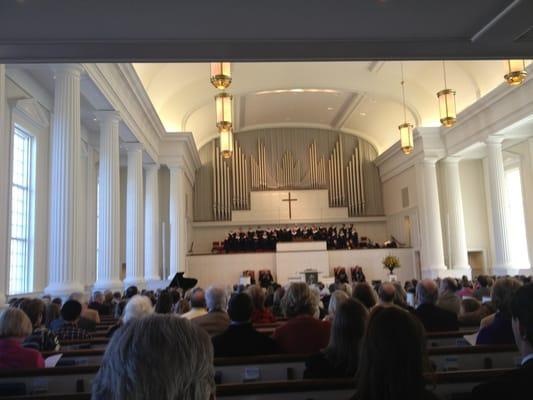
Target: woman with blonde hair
x,y
15,326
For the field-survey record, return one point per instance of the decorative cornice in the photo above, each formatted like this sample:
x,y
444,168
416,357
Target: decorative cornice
x,y
31,109
178,149
495,112
119,86
428,148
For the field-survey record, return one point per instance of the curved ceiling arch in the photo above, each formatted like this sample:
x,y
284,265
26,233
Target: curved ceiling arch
x,y
367,95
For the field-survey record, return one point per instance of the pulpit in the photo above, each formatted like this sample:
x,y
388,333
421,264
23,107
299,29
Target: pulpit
x,y
296,258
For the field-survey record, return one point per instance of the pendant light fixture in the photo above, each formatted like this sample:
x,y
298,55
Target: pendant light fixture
x,y
446,97
226,142
221,75
406,129
224,107
516,72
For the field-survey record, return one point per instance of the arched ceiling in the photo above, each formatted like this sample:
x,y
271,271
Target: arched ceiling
x,y
363,98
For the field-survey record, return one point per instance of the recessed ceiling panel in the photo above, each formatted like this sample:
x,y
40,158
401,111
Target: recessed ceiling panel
x,y
296,105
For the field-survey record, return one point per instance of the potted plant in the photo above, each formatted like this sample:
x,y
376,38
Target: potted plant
x,y
391,263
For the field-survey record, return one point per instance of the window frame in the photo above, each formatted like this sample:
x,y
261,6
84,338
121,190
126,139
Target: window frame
x,y
28,270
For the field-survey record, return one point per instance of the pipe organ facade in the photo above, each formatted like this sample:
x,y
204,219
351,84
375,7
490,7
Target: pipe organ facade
x,y
306,159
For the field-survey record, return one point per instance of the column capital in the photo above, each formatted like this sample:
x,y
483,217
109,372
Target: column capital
x,y
452,160
152,167
107,115
133,147
70,69
494,140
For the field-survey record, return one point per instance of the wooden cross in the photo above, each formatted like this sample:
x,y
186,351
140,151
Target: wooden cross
x,y
290,200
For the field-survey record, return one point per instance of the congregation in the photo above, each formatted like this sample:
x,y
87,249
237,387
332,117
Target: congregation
x,y
369,332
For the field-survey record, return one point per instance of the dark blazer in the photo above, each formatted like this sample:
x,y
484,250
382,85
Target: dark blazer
x,y
241,340
500,331
512,385
435,319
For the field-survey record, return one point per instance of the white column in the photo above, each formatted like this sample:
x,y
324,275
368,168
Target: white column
x,y
431,251
177,220
64,187
459,252
496,173
135,218
108,269
5,145
92,202
151,224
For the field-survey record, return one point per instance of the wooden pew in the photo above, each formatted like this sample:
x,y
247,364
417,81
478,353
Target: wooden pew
x,y
291,366
446,385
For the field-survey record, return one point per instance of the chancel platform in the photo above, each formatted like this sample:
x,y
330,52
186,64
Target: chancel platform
x,y
290,259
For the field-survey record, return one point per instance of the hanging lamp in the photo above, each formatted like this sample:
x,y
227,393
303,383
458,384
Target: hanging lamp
x,y
446,97
406,129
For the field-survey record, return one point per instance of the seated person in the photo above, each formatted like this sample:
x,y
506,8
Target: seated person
x,y
260,314
197,302
340,358
386,294
363,292
69,329
515,384
336,299
133,366
500,330
41,338
448,299
482,288
216,320
241,339
15,326
393,358
434,318
97,304
137,307
302,333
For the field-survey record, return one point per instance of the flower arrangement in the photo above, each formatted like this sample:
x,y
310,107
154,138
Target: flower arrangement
x,y
391,263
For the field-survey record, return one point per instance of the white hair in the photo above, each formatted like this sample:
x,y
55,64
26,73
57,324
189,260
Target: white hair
x,y
337,298
161,356
216,298
137,307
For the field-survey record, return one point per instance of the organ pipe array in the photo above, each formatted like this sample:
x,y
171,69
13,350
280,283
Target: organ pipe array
x,y
258,168
336,176
240,182
355,184
234,179
221,187
317,168
288,172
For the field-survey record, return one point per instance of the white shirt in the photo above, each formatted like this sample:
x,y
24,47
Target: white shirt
x,y
194,312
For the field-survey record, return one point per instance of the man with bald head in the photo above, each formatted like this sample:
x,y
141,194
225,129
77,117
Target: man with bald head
x,y
434,318
386,294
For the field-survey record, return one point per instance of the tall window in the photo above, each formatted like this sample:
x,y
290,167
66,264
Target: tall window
x,y
21,265
515,214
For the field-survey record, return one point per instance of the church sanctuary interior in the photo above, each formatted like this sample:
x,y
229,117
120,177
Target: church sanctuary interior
x,y
266,201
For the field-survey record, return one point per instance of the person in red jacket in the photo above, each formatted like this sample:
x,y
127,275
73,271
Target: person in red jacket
x,y
302,333
260,314
15,326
